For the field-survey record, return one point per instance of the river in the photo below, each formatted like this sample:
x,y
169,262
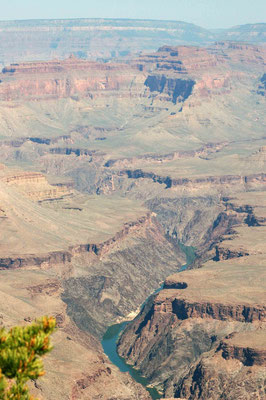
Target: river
x,y
112,334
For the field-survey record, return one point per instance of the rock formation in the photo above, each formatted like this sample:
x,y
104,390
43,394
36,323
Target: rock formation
x,y
108,269
175,71
107,38
111,168
206,325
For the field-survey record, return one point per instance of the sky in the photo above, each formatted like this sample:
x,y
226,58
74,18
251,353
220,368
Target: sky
x,y
206,13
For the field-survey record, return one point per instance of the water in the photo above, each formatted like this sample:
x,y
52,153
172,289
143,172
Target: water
x,y
190,253
111,336
109,341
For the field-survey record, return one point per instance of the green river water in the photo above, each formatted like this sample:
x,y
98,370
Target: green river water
x,y
111,336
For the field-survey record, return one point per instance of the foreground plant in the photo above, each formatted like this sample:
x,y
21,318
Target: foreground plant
x,y
21,349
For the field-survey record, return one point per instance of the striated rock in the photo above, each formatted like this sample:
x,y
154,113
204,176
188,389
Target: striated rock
x,y
76,368
171,182
178,89
208,324
183,59
35,186
180,130
57,79
172,72
236,346
229,380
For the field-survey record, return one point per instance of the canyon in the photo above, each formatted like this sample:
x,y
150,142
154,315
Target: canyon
x,y
107,38
109,166
210,322
74,272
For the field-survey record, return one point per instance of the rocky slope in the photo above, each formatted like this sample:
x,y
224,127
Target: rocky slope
x,y
173,72
90,264
234,370
178,102
208,324
247,33
55,79
77,368
133,158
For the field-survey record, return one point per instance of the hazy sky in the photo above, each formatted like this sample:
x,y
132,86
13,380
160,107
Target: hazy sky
x,y
206,13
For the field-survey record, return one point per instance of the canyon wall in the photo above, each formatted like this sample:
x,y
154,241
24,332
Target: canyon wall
x,y
133,160
172,72
106,39
207,324
86,287
56,79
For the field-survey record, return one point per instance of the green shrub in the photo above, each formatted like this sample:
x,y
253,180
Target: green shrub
x,y
21,349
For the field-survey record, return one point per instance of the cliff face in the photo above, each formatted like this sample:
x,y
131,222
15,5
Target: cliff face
x,y
189,144
234,369
57,79
34,186
177,89
216,180
146,159
99,274
173,334
207,324
262,85
184,310
235,347
183,59
210,70
230,380
172,72
77,369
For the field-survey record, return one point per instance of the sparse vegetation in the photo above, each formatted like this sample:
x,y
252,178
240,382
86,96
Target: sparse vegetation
x,y
21,349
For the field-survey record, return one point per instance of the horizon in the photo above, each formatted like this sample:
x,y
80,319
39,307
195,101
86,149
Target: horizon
x,y
128,19
208,14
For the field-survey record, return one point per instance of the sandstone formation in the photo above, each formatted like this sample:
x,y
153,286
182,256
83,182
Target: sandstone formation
x,y
55,79
172,71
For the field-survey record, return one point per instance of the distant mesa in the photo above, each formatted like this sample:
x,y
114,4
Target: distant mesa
x,y
116,38
172,74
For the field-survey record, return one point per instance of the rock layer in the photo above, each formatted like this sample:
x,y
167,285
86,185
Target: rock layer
x,y
206,325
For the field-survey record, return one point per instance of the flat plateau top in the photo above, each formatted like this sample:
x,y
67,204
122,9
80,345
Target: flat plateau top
x,y
27,227
232,282
242,339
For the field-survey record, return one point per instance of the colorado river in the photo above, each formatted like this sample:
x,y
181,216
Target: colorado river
x,y
112,334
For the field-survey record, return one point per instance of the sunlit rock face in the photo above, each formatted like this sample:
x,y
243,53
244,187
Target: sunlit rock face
x,y
208,324
111,167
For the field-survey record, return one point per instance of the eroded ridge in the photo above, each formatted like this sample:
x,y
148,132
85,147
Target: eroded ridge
x,y
209,323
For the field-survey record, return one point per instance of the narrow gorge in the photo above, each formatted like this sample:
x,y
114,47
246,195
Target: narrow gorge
x,y
132,197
